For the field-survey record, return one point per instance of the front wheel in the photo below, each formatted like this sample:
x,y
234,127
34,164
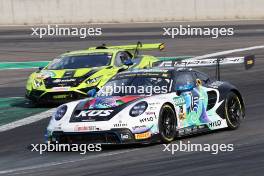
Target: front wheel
x,y
167,124
233,111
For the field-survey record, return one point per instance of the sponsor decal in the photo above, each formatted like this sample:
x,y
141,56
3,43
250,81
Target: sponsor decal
x,y
79,128
139,127
120,125
125,136
152,108
93,80
94,113
150,113
204,62
182,115
185,131
146,119
156,103
216,84
64,80
195,129
69,74
195,103
179,101
143,135
46,74
60,96
215,124
60,89
190,130
201,126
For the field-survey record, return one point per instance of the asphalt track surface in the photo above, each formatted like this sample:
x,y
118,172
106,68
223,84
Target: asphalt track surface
x,y
246,159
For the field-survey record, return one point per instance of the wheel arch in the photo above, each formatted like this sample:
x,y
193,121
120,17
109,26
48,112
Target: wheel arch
x,y
172,106
162,137
240,99
224,90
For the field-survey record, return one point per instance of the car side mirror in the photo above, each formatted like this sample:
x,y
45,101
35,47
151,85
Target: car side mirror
x,y
40,68
91,93
198,82
122,69
128,62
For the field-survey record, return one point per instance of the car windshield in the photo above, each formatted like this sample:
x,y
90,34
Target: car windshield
x,y
80,61
135,86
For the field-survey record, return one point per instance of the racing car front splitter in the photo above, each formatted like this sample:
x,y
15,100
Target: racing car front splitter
x,y
56,97
113,136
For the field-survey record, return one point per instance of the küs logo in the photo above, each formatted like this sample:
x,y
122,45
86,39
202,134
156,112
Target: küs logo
x,y
94,113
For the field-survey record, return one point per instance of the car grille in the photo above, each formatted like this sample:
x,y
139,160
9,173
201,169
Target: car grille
x,y
62,96
87,138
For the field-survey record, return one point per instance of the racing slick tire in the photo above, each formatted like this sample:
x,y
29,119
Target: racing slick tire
x,y
233,111
167,124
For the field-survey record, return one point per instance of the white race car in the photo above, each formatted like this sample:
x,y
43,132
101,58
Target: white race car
x,y
161,105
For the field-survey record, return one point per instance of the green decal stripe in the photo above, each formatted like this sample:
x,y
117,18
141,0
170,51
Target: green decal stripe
x,y
22,65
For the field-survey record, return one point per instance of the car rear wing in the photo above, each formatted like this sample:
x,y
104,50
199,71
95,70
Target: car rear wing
x,y
248,62
138,46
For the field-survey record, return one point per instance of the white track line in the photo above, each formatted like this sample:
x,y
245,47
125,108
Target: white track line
x,y
27,120
228,52
39,166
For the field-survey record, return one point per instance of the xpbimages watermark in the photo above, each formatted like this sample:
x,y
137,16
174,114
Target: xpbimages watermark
x,y
189,147
56,30
213,32
133,90
56,147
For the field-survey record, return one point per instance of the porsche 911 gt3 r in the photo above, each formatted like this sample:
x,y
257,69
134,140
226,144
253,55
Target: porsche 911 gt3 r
x,y
187,102
73,74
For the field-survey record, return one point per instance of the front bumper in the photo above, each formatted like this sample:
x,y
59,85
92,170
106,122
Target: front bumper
x,y
113,136
41,96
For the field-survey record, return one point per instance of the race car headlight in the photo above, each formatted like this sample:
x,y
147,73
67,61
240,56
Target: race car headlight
x,y
93,80
138,109
61,111
37,83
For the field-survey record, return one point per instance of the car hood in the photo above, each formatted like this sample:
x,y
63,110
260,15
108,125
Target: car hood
x,y
106,102
101,108
67,73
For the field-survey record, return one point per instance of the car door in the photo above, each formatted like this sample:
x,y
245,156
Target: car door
x,y
194,96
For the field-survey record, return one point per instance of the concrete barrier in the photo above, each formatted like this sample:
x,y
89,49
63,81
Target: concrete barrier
x,y
19,12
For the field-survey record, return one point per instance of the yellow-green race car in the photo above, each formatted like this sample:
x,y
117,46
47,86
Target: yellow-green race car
x,y
71,75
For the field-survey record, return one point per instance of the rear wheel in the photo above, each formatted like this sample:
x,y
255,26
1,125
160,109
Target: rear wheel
x,y
167,124
233,111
